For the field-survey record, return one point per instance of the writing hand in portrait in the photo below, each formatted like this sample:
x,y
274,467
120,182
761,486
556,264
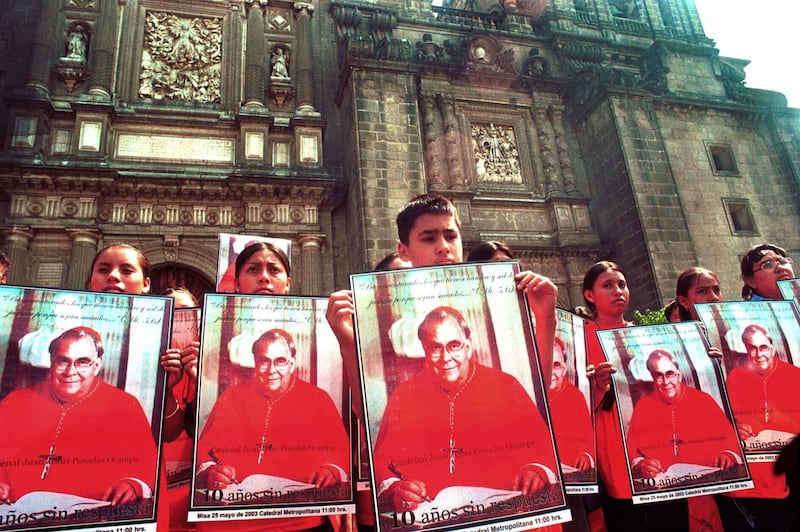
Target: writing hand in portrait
x,y
122,492
405,494
220,476
647,468
325,476
583,463
171,362
530,479
5,491
725,461
745,431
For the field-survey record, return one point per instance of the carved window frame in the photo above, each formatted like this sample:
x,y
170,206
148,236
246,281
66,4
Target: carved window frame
x,y
740,217
722,159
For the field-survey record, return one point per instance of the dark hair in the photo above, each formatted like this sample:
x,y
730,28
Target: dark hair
x,y
385,263
76,333
274,335
660,354
181,290
439,315
562,346
255,247
750,259
485,251
686,280
670,307
144,263
591,275
423,204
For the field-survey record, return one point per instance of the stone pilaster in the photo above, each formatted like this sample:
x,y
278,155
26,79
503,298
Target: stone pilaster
x,y
84,247
18,240
311,261
43,51
103,45
256,55
304,73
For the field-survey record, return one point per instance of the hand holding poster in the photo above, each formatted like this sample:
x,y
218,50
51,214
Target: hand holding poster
x,y
273,427
454,400
82,425
760,344
678,435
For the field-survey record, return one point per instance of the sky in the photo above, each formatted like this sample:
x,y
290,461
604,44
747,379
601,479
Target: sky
x,y
763,31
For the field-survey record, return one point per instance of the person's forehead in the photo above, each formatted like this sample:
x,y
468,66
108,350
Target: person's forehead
x,y
756,338
273,348
76,347
447,327
664,364
769,255
706,280
431,223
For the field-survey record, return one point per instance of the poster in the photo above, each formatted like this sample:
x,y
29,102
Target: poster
x,y
457,422
790,289
273,412
760,344
178,452
230,245
570,406
678,434
81,400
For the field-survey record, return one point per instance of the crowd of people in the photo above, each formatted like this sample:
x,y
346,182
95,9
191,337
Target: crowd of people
x,y
429,234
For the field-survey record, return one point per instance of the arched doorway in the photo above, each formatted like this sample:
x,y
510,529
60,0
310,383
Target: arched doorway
x,y
174,276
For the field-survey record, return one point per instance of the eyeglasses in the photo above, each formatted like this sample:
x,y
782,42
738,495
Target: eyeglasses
x,y
279,363
81,364
769,265
454,349
558,365
668,376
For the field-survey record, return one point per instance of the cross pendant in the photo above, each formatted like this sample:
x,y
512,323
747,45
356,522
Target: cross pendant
x,y
49,459
453,450
262,447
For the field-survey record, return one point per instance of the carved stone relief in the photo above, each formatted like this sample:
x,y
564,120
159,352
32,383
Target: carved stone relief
x,y
182,58
496,154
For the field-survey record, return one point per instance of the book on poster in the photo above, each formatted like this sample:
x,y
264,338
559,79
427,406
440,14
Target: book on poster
x,y
463,408
274,412
760,345
75,363
678,434
230,245
570,406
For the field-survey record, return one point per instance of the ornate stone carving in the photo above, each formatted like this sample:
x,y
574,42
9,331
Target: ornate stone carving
x,y
546,148
280,63
182,58
433,132
71,67
564,160
427,50
496,154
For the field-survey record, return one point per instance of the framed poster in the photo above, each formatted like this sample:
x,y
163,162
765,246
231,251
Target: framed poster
x,y
678,434
790,289
230,245
760,344
273,412
457,422
81,400
570,406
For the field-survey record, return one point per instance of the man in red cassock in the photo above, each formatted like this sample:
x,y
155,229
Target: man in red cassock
x,y
763,392
73,433
458,423
572,425
275,424
678,424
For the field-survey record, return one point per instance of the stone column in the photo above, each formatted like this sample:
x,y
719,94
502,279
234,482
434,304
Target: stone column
x,y
103,51
302,54
84,247
564,160
43,52
437,179
545,136
17,241
452,141
256,55
311,262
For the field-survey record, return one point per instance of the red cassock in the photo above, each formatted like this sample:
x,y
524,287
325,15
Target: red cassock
x,y
572,425
304,431
748,392
103,438
693,430
496,430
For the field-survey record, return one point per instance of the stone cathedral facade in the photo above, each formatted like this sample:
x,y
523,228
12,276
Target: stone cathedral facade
x,y
573,130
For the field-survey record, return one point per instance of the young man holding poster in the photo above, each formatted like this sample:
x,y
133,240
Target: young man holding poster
x,y
430,234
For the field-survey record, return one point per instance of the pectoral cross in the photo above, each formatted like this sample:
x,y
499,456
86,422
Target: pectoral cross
x,y
767,410
262,447
49,459
675,442
453,450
